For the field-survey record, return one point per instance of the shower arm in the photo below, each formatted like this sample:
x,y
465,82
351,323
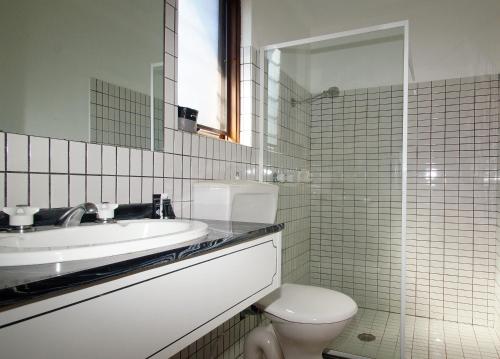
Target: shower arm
x,y
330,92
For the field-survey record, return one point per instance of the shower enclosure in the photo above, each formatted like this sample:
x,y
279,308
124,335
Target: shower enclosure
x,y
334,120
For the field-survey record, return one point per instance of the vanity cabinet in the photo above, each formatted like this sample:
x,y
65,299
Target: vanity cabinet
x,y
150,314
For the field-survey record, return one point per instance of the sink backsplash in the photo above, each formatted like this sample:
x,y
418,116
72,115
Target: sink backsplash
x,y
53,173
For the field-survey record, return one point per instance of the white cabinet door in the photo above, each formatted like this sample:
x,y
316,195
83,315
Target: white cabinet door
x,y
157,316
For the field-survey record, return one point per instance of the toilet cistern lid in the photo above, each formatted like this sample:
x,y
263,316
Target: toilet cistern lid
x,y
308,304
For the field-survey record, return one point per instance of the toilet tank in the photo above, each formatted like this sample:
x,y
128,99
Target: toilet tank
x,y
243,201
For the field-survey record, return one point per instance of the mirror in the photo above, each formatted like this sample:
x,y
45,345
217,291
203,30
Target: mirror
x,y
85,70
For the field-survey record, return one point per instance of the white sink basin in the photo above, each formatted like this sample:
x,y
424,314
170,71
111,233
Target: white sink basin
x,y
96,241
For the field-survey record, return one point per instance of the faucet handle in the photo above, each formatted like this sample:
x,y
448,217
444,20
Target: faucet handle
x,y
106,211
21,215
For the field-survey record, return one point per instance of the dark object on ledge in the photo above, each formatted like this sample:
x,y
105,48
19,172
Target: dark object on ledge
x,y
187,119
168,210
156,207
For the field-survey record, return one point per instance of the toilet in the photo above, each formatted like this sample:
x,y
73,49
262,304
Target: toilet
x,y
304,319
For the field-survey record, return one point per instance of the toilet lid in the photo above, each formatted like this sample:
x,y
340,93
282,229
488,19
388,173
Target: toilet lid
x,y
308,305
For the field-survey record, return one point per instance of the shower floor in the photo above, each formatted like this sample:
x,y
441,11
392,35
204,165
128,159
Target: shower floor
x,y
426,338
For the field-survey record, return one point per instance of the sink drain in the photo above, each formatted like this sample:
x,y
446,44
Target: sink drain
x,y
366,337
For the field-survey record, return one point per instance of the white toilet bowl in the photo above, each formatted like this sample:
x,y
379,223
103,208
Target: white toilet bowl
x,y
304,320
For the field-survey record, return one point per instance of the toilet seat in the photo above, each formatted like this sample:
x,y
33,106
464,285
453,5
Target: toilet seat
x,y
308,305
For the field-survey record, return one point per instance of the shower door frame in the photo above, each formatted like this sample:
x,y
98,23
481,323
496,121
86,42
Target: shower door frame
x,y
404,25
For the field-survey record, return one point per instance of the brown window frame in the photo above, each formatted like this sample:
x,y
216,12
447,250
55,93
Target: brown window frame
x,y
229,59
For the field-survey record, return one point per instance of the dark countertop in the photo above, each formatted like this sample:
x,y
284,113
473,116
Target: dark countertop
x,y
25,284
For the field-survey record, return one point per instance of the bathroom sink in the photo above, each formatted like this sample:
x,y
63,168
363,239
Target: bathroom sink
x,y
96,241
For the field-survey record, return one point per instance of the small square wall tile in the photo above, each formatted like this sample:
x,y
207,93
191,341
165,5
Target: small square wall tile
x,y
39,190
122,190
17,189
158,164
39,154
177,171
135,190
186,167
108,160
177,192
77,158
76,189
169,91
186,190
168,166
2,189
210,148
168,187
186,144
158,185
147,163
135,162
59,191
109,189
94,189
17,152
2,151
194,168
195,143
170,16
186,210
169,140
147,190
169,41
123,161
202,146
93,158
58,156
178,142
170,115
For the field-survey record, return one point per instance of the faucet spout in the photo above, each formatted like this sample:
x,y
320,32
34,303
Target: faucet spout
x,y
73,216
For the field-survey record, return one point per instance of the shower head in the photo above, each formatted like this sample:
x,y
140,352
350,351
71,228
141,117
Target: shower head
x,y
330,92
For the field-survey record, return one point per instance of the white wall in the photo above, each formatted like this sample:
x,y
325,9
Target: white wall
x,y
297,64
50,49
361,64
276,21
449,38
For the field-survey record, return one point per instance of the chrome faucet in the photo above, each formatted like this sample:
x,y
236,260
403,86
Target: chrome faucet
x,y
73,216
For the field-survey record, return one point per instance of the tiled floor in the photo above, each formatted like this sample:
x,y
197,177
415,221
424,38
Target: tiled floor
x,y
426,338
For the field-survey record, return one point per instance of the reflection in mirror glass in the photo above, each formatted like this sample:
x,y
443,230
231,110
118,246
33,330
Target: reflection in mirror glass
x,y
86,70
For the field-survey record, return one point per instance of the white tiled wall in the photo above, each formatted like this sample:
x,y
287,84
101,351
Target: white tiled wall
x,y
497,242
452,164
287,158
249,79
47,172
120,116
356,141
452,213
227,340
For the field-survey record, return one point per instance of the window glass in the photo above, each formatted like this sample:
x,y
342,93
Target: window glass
x,y
200,73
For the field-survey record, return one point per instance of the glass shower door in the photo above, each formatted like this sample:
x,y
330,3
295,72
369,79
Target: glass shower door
x,y
333,136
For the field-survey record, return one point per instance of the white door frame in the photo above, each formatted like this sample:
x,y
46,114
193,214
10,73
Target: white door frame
x,y
404,25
